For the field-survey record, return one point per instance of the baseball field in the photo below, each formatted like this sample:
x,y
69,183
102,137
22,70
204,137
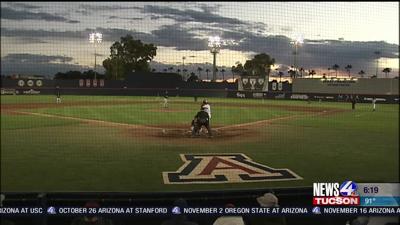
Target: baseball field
x,y
126,143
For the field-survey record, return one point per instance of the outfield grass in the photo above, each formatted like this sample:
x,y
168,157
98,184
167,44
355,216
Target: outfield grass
x,y
58,154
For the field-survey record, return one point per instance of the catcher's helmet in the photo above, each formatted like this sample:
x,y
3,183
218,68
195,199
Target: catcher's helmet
x,y
205,101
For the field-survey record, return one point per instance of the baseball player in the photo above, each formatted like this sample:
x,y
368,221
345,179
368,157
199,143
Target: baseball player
x,y
166,99
58,94
206,107
374,104
201,119
353,102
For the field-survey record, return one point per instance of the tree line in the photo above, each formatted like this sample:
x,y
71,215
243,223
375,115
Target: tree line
x,y
131,55
128,55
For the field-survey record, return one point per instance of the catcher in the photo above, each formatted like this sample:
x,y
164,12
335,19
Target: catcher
x,y
201,119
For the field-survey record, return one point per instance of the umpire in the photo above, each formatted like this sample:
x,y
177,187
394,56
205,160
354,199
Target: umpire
x,y
201,119
58,94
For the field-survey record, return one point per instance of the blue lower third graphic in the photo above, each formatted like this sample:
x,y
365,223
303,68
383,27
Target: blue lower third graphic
x,y
379,201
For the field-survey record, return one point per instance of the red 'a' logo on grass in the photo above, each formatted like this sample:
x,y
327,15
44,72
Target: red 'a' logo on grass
x,y
224,168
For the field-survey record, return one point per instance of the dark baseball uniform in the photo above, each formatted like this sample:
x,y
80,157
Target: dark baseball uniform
x,y
201,119
58,95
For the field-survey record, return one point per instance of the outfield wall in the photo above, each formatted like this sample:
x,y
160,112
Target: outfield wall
x,y
361,86
115,87
303,89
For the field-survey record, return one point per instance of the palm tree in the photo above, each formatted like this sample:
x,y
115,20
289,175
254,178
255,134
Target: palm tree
x,y
386,71
199,69
207,71
184,73
361,73
335,67
301,71
348,68
233,69
223,75
311,73
292,73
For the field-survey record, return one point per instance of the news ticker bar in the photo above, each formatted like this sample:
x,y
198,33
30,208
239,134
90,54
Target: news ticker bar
x,y
203,211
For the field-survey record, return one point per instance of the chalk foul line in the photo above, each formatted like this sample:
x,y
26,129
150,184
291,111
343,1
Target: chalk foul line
x,y
136,126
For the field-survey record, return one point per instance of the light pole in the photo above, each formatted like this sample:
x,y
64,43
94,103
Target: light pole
x,y
377,53
95,38
296,43
183,67
215,44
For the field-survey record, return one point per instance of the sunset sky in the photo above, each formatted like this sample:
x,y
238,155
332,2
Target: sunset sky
x,y
45,37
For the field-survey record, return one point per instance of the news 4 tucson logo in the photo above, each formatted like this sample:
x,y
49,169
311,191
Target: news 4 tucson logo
x,y
336,194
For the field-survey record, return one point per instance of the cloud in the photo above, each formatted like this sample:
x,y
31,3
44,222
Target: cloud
x,y
204,16
29,64
125,18
168,36
178,37
34,58
286,29
30,40
312,54
11,14
88,9
107,7
109,34
47,34
23,5
325,53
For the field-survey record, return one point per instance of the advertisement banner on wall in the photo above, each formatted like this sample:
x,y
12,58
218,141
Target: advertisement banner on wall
x,y
280,86
253,83
8,91
87,82
274,86
39,83
21,83
81,83
94,82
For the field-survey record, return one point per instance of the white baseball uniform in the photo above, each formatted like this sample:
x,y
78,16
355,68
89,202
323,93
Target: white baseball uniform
x,y
207,108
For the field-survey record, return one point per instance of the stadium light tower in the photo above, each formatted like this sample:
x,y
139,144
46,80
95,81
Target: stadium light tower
x,y
296,43
183,67
215,45
95,38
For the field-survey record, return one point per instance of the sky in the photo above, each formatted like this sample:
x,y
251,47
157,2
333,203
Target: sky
x,y
48,37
